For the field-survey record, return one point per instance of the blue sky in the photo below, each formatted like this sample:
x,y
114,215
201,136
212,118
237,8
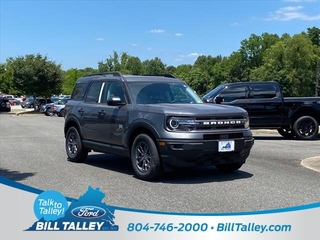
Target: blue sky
x,y
79,34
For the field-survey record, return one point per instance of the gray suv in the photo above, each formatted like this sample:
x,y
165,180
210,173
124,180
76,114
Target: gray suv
x,y
158,122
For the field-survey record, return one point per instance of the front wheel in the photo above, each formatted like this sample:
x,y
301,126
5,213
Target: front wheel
x,y
229,167
145,158
306,128
75,151
286,133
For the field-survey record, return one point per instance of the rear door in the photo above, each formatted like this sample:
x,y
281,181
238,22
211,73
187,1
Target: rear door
x,y
88,110
266,106
236,95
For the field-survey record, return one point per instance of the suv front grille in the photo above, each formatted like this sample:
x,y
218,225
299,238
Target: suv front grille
x,y
220,123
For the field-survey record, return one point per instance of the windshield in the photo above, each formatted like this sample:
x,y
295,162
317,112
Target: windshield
x,y
151,93
214,92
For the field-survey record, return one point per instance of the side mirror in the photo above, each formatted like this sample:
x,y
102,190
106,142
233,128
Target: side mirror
x,y
115,101
218,99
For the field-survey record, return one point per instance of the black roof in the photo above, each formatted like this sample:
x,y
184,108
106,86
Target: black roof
x,y
248,82
129,78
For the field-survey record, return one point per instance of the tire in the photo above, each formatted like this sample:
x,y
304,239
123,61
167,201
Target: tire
x,y
48,112
229,167
75,151
61,113
306,128
3,104
145,158
286,133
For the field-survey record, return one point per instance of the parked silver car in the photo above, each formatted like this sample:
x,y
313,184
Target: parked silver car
x,y
50,109
58,109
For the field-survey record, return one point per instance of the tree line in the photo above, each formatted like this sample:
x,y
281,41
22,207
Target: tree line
x,y
293,61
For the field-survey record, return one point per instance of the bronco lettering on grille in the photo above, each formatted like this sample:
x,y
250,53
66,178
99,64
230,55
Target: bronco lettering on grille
x,y
224,122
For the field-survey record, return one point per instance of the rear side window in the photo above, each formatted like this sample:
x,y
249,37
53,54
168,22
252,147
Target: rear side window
x,y
94,93
263,91
78,92
233,93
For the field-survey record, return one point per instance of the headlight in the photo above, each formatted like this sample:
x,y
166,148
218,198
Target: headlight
x,y
181,123
247,122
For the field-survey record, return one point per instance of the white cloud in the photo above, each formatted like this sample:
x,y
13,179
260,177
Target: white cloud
x,y
178,34
235,24
195,54
178,59
99,39
291,13
149,48
134,44
156,31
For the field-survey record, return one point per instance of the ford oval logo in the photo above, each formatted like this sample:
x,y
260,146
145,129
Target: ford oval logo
x,y
88,212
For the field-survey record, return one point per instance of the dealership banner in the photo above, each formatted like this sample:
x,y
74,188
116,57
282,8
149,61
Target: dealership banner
x,y
38,214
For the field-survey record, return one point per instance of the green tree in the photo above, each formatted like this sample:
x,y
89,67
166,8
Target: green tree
x,y
111,64
155,67
170,69
134,66
314,35
198,80
182,71
36,75
292,62
70,77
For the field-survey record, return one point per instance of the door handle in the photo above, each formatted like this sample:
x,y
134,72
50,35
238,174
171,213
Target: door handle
x,y
80,110
102,112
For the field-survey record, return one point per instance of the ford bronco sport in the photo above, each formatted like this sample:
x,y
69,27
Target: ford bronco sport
x,y
158,122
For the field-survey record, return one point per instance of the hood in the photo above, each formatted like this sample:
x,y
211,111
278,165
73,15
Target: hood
x,y
199,109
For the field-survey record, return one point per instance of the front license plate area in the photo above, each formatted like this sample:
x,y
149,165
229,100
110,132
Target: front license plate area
x,y
226,146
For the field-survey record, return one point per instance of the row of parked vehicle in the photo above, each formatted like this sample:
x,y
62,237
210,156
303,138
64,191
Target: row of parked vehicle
x,y
56,107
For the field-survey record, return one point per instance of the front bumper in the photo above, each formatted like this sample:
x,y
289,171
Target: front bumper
x,y
190,153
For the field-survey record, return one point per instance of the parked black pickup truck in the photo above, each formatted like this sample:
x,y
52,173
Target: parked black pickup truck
x,y
293,117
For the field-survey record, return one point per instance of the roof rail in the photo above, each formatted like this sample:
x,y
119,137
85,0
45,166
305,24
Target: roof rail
x,y
161,75
115,74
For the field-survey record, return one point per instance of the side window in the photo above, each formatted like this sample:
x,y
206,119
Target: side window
x,y
78,92
233,93
263,91
113,89
94,93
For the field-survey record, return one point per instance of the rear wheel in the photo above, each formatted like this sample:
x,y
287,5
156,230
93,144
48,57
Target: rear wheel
x,y
306,127
229,167
286,132
49,112
75,151
61,113
145,158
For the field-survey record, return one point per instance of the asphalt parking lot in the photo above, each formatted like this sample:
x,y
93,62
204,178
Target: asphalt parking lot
x,y
32,152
